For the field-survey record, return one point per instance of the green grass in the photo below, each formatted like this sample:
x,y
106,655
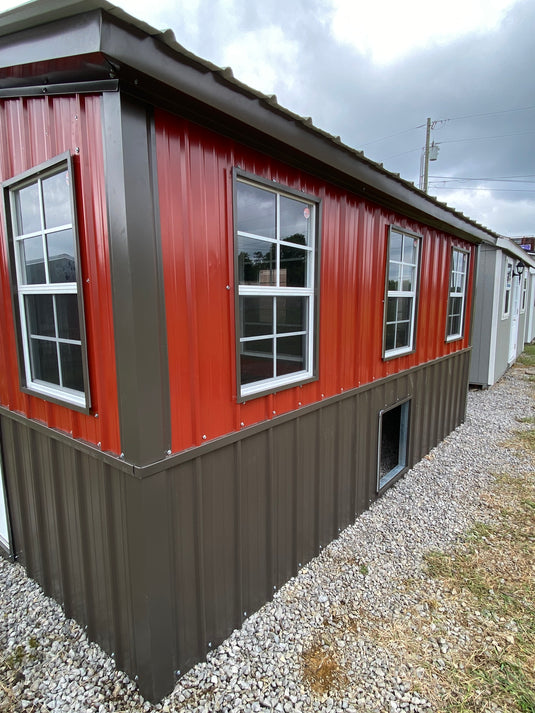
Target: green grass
x,y
527,358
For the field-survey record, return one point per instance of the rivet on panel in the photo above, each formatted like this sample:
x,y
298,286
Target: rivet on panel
x,y
169,452
242,424
244,613
323,396
77,149
96,415
122,455
209,644
204,437
228,287
274,413
99,444
299,403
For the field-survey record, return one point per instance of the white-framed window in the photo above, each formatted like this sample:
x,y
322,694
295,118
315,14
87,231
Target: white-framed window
x,y
457,294
43,248
401,292
507,287
523,299
275,254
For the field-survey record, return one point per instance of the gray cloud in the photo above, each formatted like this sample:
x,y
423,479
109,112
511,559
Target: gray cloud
x,y
346,94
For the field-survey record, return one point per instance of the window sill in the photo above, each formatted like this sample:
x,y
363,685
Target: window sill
x,y
68,400
395,353
272,386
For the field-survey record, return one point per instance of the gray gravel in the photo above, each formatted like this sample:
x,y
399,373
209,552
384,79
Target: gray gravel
x,y
47,663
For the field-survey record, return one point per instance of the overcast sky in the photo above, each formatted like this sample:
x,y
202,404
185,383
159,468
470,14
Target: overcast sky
x,y
372,72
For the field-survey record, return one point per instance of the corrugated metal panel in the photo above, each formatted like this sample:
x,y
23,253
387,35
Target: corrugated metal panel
x,y
31,132
162,569
68,517
194,174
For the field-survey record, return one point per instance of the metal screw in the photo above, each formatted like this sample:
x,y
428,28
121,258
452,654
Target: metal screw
x,y
228,287
242,424
274,413
77,149
204,437
96,415
169,452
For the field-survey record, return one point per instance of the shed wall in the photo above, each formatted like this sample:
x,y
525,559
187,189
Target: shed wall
x,y
195,187
33,130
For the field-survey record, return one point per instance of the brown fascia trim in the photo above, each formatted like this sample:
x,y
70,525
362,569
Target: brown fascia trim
x,y
176,459
143,59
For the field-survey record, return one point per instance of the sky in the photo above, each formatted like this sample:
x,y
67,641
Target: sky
x,y
373,72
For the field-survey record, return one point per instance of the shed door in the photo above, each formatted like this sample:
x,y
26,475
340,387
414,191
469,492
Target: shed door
x,y
515,310
4,523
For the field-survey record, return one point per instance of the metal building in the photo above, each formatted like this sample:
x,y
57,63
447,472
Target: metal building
x,y
224,333
504,310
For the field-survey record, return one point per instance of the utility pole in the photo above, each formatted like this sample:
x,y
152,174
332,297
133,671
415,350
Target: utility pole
x,y
430,153
426,155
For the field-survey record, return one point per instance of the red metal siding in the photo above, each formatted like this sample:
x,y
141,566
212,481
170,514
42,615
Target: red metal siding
x,y
31,132
195,183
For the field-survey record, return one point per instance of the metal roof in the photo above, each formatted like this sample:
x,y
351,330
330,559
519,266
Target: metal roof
x,y
157,54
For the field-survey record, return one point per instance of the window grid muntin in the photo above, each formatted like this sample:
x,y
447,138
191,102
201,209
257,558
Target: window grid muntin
x,y
49,389
453,295
279,290
400,293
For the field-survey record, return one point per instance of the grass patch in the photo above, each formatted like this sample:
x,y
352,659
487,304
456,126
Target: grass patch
x,y
527,358
492,577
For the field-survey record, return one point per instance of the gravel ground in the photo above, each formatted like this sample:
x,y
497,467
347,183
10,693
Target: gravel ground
x,y
321,622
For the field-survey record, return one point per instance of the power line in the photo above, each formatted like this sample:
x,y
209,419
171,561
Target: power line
x,y
453,118
479,188
491,113
391,136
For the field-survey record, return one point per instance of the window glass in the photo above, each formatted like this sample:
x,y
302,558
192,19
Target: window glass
x,y
275,245
32,261
257,262
257,316
256,360
28,210
56,200
256,211
67,316
291,314
290,355
44,361
71,366
295,224
293,267
61,257
40,315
